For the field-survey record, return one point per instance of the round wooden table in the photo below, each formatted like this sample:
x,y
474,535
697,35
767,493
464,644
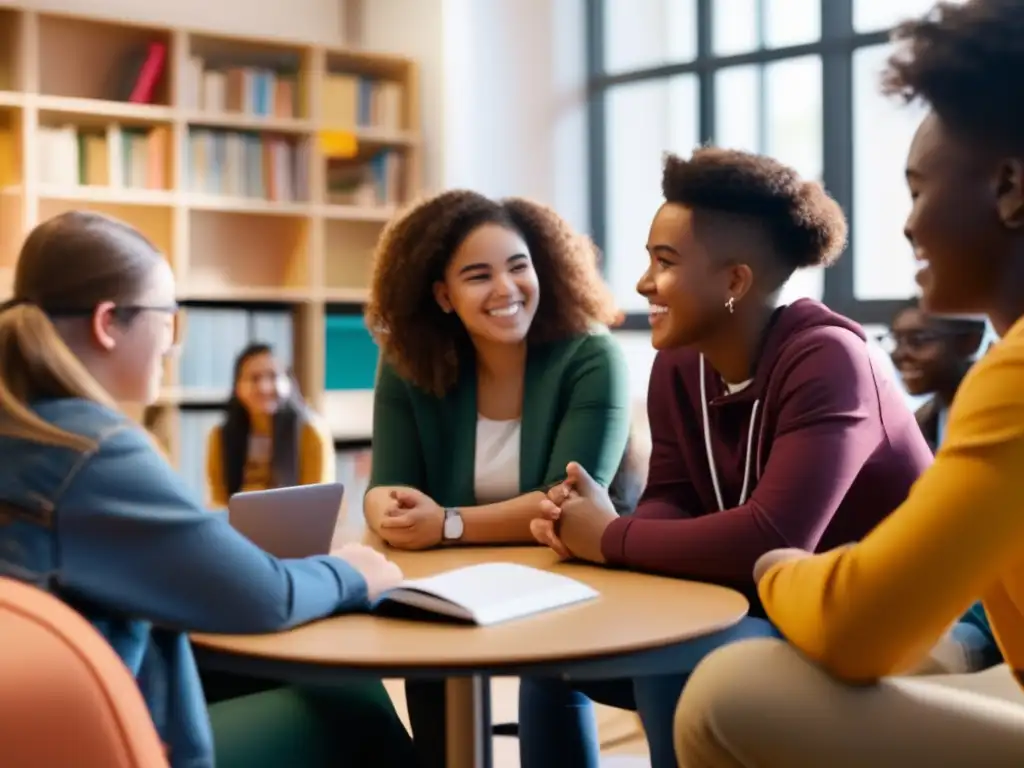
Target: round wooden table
x,y
636,614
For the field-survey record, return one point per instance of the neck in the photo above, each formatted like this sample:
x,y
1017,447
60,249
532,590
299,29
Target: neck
x,y
497,361
261,423
733,351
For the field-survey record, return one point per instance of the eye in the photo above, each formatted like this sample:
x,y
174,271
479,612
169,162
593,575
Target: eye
x,y
662,262
520,267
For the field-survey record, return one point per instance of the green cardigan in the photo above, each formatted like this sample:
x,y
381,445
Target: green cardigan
x,y
575,408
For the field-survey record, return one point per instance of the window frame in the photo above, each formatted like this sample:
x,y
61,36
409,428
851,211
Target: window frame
x,y
836,47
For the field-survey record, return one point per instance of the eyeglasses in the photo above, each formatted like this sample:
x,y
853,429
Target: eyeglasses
x,y
915,340
125,313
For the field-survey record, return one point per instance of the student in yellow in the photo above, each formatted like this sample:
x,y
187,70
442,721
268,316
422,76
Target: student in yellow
x,y
269,438
859,617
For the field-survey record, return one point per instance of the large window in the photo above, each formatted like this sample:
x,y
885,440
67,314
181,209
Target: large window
x,y
796,79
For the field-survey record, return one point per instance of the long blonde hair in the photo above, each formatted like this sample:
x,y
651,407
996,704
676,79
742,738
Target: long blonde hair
x,y
67,265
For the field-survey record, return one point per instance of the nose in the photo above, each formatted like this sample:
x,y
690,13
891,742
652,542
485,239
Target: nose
x,y
504,285
645,285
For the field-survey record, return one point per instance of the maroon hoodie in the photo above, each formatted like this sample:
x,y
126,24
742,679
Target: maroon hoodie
x,y
831,444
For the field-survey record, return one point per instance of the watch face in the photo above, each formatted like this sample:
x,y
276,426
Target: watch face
x,y
452,524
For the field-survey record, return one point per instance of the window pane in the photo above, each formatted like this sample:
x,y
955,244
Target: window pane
x,y
870,15
738,108
644,120
883,266
791,22
793,123
741,26
648,33
793,135
788,127
735,27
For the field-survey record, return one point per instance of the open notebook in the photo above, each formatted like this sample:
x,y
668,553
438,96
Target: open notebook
x,y
488,593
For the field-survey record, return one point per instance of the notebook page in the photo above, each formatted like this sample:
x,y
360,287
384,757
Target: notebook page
x,y
494,592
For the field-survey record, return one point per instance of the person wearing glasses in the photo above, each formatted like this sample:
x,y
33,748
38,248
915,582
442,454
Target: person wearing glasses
x,y
932,355
270,438
91,512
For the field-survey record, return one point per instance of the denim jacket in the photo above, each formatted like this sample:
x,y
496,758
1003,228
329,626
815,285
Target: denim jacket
x,y
116,534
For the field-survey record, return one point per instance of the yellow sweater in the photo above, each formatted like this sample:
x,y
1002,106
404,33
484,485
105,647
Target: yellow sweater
x,y
316,462
874,608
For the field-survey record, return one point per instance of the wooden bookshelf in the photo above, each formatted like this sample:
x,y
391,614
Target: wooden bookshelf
x,y
264,169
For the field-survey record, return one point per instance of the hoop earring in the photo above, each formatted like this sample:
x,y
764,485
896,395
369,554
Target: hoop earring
x,y
731,304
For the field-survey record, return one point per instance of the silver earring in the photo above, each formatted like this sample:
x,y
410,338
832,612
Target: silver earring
x,y
731,304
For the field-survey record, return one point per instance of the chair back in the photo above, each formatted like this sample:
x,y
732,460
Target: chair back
x,y
66,698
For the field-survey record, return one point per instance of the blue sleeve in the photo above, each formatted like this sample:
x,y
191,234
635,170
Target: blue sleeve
x,y
133,539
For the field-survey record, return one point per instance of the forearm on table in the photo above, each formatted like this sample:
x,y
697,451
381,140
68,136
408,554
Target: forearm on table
x,y
505,522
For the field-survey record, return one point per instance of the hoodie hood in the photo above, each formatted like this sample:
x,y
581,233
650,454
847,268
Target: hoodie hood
x,y
787,325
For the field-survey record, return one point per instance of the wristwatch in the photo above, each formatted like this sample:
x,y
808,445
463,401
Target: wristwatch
x,y
453,526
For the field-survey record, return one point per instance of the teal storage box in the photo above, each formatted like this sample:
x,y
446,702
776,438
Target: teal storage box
x,y
351,354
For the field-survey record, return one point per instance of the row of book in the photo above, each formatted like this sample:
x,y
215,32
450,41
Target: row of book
x,y
352,101
236,164
215,335
377,181
118,156
252,91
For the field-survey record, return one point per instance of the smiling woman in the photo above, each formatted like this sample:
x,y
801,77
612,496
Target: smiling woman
x,y
498,371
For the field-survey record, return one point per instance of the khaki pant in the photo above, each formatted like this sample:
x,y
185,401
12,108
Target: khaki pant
x,y
761,704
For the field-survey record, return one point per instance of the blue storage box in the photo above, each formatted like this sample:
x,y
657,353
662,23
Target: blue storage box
x,y
351,353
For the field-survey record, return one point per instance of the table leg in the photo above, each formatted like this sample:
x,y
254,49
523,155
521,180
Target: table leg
x,y
468,722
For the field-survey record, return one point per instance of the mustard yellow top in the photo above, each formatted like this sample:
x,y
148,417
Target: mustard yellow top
x,y
874,608
316,460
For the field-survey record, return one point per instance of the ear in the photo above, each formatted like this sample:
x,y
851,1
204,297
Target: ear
x,y
441,296
102,326
1010,193
741,280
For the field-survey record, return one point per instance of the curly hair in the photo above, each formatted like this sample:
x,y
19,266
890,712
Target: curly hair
x,y
806,226
965,61
424,344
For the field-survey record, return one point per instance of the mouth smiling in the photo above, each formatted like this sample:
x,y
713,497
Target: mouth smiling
x,y
509,310
656,312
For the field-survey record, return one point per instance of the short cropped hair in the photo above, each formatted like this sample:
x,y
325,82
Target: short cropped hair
x,y
805,225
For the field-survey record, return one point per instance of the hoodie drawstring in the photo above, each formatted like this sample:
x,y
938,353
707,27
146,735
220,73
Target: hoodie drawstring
x,y
707,444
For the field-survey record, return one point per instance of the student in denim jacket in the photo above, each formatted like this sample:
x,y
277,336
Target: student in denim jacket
x,y
94,514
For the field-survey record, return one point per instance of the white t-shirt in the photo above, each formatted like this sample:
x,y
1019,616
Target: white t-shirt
x,y
496,469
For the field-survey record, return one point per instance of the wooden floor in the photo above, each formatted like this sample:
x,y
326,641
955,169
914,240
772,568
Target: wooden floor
x,y
621,736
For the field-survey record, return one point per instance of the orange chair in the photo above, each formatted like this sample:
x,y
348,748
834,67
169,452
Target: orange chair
x,y
66,698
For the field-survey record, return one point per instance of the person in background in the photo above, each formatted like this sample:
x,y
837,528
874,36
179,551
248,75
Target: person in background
x,y
498,369
269,438
772,427
91,512
932,355
859,616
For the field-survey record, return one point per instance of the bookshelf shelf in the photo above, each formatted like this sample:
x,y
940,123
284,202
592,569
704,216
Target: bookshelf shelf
x,y
86,110
263,169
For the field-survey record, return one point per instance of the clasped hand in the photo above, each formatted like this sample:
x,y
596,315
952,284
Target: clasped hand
x,y
412,520
574,516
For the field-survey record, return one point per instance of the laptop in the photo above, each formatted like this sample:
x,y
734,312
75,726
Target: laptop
x,y
298,521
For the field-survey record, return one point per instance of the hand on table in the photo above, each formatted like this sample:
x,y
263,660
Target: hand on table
x,y
575,527
380,573
768,559
412,520
543,529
